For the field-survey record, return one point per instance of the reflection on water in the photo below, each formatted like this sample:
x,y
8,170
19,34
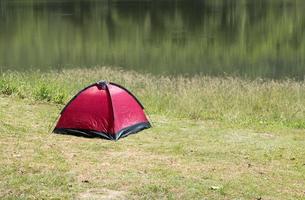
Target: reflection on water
x,y
261,38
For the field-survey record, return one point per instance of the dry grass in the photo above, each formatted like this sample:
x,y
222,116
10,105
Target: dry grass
x,y
177,159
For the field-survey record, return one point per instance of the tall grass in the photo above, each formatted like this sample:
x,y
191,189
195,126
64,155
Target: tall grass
x,y
230,100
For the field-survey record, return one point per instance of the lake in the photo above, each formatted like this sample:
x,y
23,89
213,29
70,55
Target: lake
x,y
248,38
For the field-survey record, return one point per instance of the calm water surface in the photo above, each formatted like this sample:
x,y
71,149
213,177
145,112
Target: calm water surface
x,y
251,38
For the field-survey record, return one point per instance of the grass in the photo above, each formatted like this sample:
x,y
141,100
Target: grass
x,y
177,159
216,140
233,101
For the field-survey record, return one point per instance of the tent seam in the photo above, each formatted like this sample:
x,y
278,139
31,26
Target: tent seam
x,y
111,105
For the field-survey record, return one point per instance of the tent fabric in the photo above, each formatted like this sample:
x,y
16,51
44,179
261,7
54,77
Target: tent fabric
x,y
105,110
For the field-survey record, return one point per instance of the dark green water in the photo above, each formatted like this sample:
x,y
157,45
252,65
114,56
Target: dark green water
x,y
251,38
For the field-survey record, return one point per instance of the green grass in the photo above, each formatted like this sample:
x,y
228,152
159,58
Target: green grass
x,y
176,159
232,101
212,138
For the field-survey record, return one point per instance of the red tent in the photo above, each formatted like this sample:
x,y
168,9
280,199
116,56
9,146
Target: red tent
x,y
105,110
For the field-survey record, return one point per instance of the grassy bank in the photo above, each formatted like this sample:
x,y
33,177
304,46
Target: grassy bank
x,y
232,101
177,159
213,138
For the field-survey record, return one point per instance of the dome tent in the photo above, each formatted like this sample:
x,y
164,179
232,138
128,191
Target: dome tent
x,y
105,110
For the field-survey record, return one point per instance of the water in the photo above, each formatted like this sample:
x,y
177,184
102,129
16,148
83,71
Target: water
x,y
261,38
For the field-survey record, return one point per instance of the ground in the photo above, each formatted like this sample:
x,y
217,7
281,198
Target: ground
x,y
176,159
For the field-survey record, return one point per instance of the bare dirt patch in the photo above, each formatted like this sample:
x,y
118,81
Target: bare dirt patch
x,y
103,194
